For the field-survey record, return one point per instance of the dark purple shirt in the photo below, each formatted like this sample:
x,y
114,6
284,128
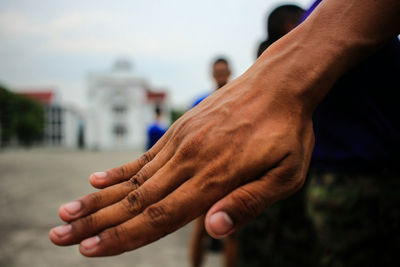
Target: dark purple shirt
x,y
357,125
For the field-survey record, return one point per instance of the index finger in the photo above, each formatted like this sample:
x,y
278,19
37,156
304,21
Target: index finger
x,y
156,221
125,172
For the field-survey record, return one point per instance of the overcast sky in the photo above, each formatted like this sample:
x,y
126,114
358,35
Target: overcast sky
x,y
55,43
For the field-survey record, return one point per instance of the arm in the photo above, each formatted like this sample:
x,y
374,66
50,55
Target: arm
x,y
336,36
243,148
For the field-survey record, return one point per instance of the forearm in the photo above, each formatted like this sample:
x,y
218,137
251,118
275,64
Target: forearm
x,y
358,23
337,35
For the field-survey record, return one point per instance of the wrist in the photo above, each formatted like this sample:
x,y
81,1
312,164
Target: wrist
x,y
336,36
300,68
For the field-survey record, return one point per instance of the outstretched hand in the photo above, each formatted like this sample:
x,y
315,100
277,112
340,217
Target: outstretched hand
x,y
240,150
243,148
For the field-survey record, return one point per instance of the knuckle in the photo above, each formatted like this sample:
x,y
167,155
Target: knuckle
x,y
138,179
88,221
295,182
124,171
292,174
287,174
208,184
183,123
189,148
95,199
145,158
289,178
249,204
214,184
120,171
134,202
157,216
118,233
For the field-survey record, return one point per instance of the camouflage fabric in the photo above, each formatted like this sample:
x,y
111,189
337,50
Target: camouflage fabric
x,y
336,220
356,217
281,236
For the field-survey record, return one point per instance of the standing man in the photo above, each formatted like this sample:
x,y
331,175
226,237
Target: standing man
x,y
280,21
221,73
156,130
200,240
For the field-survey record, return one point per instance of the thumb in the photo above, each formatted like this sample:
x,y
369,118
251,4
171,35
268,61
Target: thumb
x,y
246,202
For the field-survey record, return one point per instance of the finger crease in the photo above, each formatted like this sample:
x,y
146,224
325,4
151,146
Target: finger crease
x,y
137,180
133,203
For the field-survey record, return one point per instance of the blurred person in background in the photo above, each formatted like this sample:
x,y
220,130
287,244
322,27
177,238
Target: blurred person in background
x,y
221,72
281,235
250,144
157,129
200,240
279,22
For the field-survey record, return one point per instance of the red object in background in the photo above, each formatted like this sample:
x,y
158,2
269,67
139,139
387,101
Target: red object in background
x,y
44,97
155,96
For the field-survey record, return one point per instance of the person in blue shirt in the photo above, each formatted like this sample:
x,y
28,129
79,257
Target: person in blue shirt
x,y
221,72
156,130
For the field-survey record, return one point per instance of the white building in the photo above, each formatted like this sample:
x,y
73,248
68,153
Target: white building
x,y
120,108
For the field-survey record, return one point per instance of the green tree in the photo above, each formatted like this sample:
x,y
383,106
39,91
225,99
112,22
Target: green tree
x,y
8,117
176,114
20,118
30,126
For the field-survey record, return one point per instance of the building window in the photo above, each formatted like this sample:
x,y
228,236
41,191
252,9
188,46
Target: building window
x,y
119,130
119,109
54,125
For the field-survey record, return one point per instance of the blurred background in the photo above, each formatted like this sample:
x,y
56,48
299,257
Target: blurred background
x,y
79,85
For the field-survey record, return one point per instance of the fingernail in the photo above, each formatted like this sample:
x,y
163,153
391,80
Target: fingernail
x,y
73,207
62,229
221,223
90,242
100,175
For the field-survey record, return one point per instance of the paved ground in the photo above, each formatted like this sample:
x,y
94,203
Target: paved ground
x,y
33,184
